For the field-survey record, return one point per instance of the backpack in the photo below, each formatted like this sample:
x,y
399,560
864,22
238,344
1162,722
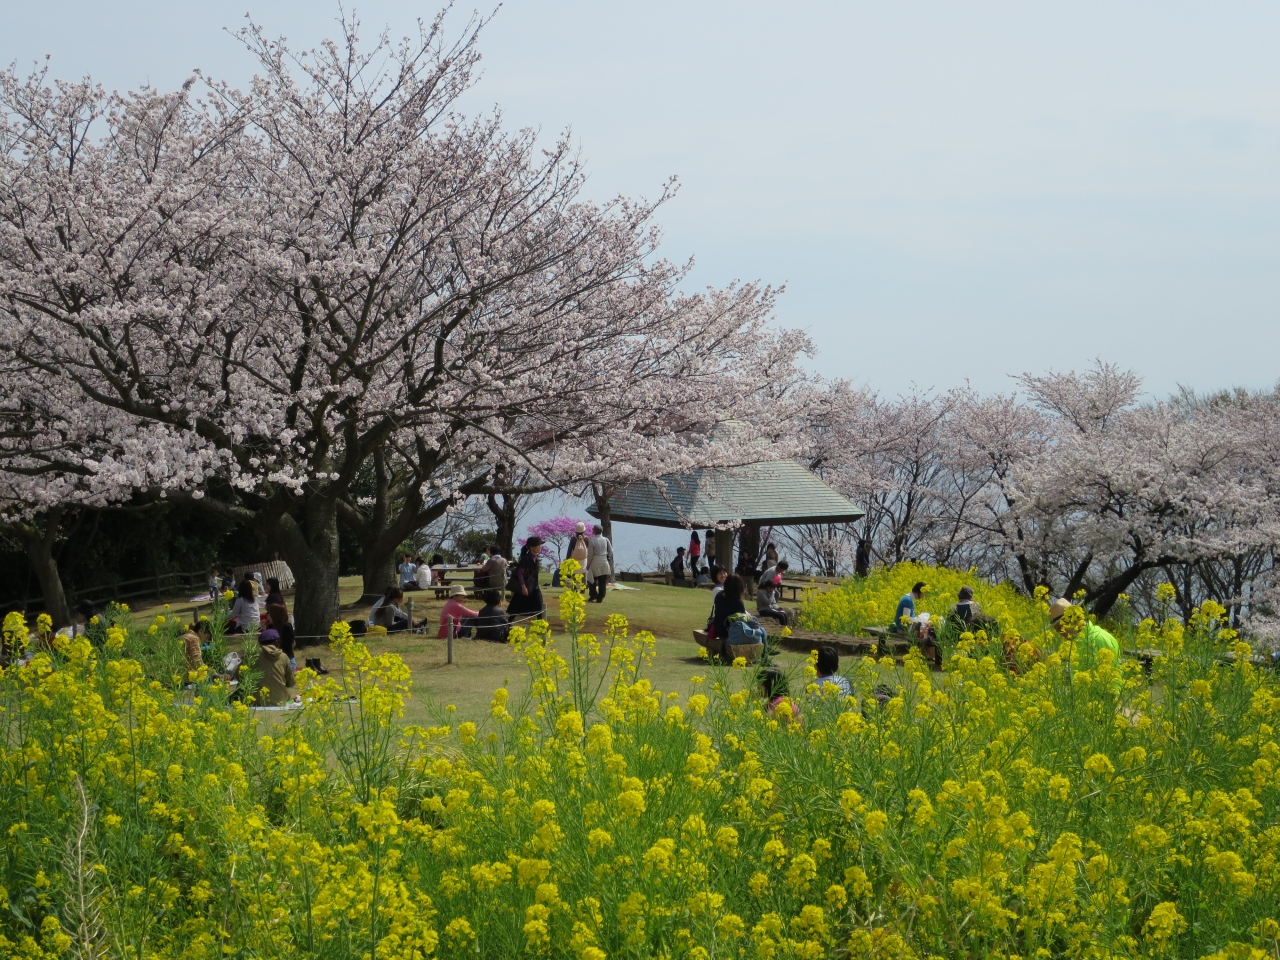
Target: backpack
x,y
579,549
745,630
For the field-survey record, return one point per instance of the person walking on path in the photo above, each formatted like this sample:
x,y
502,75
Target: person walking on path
x,y
599,564
579,547
695,552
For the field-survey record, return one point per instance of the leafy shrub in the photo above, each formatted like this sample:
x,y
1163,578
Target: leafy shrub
x,y
859,603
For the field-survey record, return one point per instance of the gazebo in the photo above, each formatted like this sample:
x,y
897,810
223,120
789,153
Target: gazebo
x,y
771,494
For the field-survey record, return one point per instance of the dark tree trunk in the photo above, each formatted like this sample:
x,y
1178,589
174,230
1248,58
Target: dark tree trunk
x,y
38,538
377,571
310,546
605,508
503,508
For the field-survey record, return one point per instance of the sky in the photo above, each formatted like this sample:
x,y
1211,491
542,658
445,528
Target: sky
x,y
950,193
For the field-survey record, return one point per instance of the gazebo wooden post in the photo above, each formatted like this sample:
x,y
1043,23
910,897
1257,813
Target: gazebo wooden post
x,y
724,548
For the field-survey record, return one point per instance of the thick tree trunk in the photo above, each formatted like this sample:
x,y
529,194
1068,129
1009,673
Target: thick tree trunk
x,y
605,509
311,550
503,507
377,572
38,539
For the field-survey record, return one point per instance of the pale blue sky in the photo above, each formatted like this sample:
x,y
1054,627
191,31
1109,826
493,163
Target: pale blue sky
x,y
949,191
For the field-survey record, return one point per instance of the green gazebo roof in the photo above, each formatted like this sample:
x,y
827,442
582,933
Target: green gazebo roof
x,y
777,493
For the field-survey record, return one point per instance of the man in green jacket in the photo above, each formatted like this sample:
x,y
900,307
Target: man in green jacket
x,y
1090,640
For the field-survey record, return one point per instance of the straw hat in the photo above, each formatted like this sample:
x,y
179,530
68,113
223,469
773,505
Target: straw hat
x,y
580,528
457,590
1058,609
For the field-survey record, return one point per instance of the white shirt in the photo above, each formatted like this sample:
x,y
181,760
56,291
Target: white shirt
x,y
424,576
245,613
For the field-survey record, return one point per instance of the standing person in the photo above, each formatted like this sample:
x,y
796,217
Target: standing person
x,y
677,565
862,559
495,571
455,610
907,605
423,574
599,564
709,542
579,548
770,556
408,571
244,615
695,552
526,593
767,594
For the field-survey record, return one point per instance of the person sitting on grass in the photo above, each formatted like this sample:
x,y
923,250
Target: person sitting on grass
x,y
773,683
244,615
84,613
277,671
274,594
455,610
767,591
828,667
192,641
491,622
966,609
278,618
907,605
1088,640
390,615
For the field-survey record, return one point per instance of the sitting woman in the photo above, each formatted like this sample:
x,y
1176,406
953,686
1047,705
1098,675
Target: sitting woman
x,y
454,610
274,595
728,602
244,615
491,622
278,618
389,614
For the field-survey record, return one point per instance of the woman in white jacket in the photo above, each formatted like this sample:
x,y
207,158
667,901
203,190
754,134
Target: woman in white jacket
x,y
244,615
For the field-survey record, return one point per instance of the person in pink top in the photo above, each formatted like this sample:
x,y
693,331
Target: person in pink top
x,y
455,610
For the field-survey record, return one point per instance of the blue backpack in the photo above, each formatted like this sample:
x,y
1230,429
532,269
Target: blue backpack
x,y
745,630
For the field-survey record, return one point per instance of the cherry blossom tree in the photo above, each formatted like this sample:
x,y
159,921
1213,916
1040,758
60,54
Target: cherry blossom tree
x,y
275,287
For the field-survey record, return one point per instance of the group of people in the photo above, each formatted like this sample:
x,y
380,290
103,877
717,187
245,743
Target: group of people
x,y
595,555
728,604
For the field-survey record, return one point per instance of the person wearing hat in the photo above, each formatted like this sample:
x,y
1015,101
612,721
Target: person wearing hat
x,y
455,610
578,547
1091,639
526,594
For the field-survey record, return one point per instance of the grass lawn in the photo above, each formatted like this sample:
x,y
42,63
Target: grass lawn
x,y
671,614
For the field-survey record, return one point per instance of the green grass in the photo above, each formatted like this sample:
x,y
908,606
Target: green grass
x,y
671,614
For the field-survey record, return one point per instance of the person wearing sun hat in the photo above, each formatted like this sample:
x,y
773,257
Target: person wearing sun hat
x,y
455,610
1092,638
